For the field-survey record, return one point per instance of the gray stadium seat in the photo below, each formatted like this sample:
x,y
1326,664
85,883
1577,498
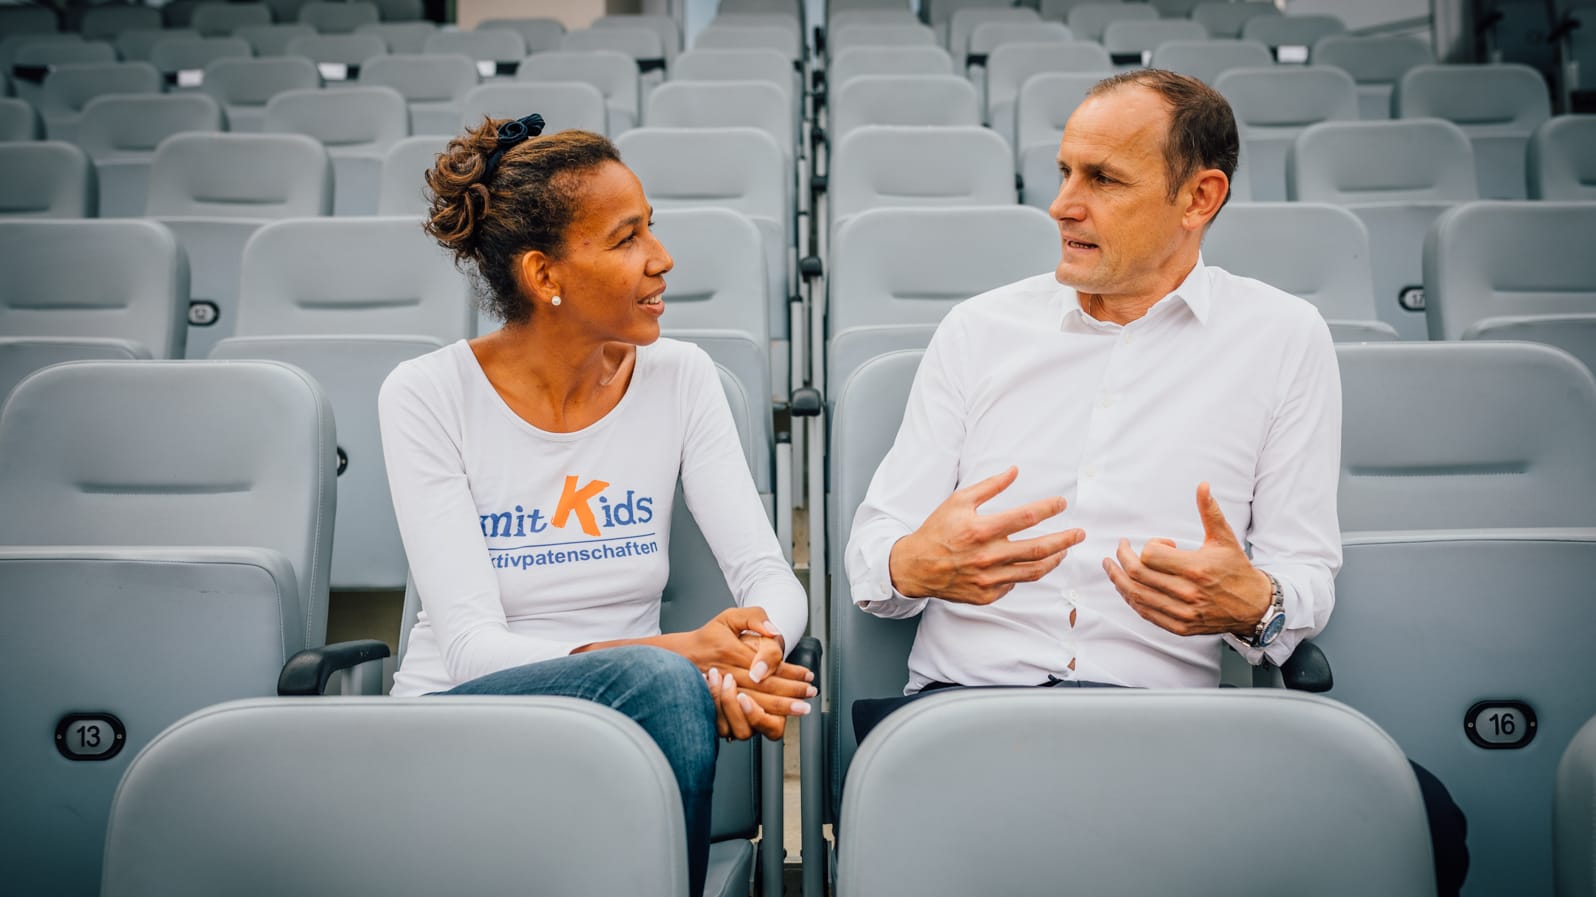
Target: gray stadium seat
x,y
273,40
940,13
175,57
433,87
642,44
126,299
964,22
878,35
895,272
387,293
908,100
1465,435
989,37
1562,159
136,45
613,73
722,104
1012,65
106,22
1514,271
222,19
559,791
1104,756
401,37
565,105
1397,176
120,133
403,187
666,27
1206,60
338,57
1225,19
357,125
68,88
727,36
402,11
878,166
21,19
1432,694
28,58
183,557
495,51
1315,251
214,191
46,179
1498,106
1133,41
19,120
1574,831
337,18
1376,62
1088,21
245,86
540,34
1273,105
906,60
286,10
743,64
1046,102
1293,31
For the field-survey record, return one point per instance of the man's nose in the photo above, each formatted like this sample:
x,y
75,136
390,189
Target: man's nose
x,y
1066,206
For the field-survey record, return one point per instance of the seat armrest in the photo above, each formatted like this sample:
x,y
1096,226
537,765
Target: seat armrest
x,y
812,774
306,673
1307,669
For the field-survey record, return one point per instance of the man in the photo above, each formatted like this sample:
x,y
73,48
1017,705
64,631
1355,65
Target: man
x,y
1085,454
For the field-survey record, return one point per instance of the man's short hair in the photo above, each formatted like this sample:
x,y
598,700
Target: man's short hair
x,y
1202,128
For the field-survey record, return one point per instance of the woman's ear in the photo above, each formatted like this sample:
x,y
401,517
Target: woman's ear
x,y
534,273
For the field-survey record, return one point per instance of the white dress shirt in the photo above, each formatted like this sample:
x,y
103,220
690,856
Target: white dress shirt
x,y
1226,380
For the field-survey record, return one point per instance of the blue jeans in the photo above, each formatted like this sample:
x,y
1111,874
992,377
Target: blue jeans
x,y
659,690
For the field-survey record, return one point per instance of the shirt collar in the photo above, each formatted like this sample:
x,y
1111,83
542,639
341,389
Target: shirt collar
x,y
1194,291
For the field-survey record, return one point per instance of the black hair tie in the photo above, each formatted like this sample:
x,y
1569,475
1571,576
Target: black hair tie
x,y
510,134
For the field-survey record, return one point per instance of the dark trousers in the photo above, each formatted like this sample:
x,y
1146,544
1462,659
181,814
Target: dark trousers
x,y
1448,826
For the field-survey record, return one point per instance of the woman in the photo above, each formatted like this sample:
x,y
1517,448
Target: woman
x,y
533,469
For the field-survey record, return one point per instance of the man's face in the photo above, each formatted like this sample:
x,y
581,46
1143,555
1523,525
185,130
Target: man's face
x,y
1118,226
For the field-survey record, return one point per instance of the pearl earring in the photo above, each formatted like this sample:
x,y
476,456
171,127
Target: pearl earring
x,y
555,301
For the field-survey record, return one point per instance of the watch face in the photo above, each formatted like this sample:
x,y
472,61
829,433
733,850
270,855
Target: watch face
x,y
1272,629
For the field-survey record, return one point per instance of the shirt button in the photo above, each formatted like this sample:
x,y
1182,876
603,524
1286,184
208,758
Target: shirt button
x,y
1127,338
1107,401
1090,471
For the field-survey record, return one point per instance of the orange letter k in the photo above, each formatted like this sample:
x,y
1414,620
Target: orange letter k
x,y
574,499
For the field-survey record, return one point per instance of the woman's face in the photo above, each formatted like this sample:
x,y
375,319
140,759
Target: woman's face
x,y
611,278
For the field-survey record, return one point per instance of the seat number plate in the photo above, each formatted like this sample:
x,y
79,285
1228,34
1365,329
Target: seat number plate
x,y
90,736
1500,725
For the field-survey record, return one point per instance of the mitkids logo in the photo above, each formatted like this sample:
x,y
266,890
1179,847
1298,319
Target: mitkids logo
x,y
583,507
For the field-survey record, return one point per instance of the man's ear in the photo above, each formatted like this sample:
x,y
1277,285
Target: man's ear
x,y
535,275
1206,190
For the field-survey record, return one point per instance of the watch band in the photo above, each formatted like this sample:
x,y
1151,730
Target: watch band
x,y
1261,636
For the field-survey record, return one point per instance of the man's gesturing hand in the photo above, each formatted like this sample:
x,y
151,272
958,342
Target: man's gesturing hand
x,y
1214,589
960,555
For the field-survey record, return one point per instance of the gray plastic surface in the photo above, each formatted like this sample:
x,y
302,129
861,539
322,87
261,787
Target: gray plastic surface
x,y
1224,18
273,40
137,44
402,190
222,19
1046,102
963,21
879,166
540,34
1206,60
491,45
46,179
911,60
1088,21
1376,62
244,86
1574,833
68,88
904,100
186,54
1292,30
564,105
1498,106
1274,105
1061,791
865,34
19,120
337,18
401,37
1011,66
432,85
121,133
722,104
22,355
1562,159
612,72
103,22
1127,36
558,792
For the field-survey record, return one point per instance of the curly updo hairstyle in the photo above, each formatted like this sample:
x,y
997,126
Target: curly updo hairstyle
x,y
527,202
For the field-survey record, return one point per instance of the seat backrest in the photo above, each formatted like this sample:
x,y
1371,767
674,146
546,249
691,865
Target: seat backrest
x,y
21,19
1288,98
1224,18
193,54
880,165
1451,702
1011,65
1574,807
133,286
669,31
1137,36
403,180
137,45
879,35
19,120
738,168
363,117
115,125
1465,435
940,13
1097,751
1206,60
566,105
430,78
46,179
68,88
483,45
1561,162
338,18
939,100
240,176
776,38
1371,59
221,19
907,60
275,39
539,34
1291,31
337,49
565,790
642,44
1088,21
402,11
1347,162
1045,103
964,21
103,22
1503,97
614,73
1491,260
53,50
253,82
987,37
1315,251
896,272
175,453
401,37
735,64
722,104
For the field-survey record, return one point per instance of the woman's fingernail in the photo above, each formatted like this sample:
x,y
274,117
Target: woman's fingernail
x,y
713,677
728,684
771,630
759,670
809,675
746,703
811,692
800,708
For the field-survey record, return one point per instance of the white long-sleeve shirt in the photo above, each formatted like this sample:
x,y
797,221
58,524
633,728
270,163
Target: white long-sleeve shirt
x,y
525,544
1226,380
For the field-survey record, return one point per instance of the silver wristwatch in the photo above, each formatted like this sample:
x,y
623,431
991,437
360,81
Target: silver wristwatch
x,y
1274,619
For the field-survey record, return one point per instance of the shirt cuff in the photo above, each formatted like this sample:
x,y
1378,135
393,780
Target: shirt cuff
x,y
1299,622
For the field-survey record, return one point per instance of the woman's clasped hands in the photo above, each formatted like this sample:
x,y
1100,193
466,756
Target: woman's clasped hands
x,y
740,652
